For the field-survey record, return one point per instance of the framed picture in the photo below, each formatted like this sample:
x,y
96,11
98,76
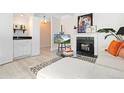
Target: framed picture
x,y
85,22
62,38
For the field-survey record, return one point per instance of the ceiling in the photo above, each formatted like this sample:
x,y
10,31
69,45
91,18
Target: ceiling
x,y
52,14
47,15
24,14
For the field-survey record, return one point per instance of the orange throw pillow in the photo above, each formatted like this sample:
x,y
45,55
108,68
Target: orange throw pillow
x,y
121,46
113,47
121,53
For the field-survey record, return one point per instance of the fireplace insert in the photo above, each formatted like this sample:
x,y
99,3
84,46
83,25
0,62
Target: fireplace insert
x,y
85,46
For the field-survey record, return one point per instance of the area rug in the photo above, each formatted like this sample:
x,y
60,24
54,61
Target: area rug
x,y
36,68
87,59
81,57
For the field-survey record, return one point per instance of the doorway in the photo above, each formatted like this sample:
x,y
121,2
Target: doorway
x,y
45,36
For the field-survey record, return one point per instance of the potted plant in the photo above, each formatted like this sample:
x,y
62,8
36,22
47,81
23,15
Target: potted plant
x,y
106,30
118,37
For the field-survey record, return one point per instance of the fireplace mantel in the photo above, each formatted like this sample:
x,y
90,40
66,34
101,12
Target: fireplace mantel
x,y
87,34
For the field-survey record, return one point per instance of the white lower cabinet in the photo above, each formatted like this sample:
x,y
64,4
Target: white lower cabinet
x,y
22,48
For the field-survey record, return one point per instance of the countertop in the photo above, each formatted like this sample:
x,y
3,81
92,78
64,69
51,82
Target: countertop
x,y
21,37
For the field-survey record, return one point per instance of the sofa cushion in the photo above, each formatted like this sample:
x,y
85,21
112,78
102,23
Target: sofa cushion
x,y
121,46
121,53
106,59
113,47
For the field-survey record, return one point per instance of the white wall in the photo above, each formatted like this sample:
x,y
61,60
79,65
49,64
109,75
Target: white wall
x,y
68,23
35,28
108,20
45,34
22,20
18,19
101,20
6,37
55,29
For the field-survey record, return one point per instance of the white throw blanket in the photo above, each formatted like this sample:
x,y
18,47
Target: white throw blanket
x,y
72,68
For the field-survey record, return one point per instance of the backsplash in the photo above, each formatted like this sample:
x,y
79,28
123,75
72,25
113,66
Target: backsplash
x,y
21,25
20,33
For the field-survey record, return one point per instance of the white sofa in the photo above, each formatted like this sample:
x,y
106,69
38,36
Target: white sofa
x,y
72,68
108,60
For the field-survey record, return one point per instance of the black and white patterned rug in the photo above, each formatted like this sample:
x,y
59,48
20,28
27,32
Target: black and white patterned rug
x,y
87,59
36,68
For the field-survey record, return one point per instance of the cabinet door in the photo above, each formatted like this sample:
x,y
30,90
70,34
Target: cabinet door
x,y
22,48
18,48
26,47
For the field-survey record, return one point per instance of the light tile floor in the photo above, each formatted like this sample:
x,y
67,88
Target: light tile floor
x,y
20,69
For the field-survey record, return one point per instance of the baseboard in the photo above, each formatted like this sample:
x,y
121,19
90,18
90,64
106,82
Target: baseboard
x,y
22,57
4,61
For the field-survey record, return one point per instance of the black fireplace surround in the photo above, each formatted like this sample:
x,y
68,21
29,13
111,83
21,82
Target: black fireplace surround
x,y
85,46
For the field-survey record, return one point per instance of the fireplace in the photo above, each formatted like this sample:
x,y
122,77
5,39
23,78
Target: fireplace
x,y
85,46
